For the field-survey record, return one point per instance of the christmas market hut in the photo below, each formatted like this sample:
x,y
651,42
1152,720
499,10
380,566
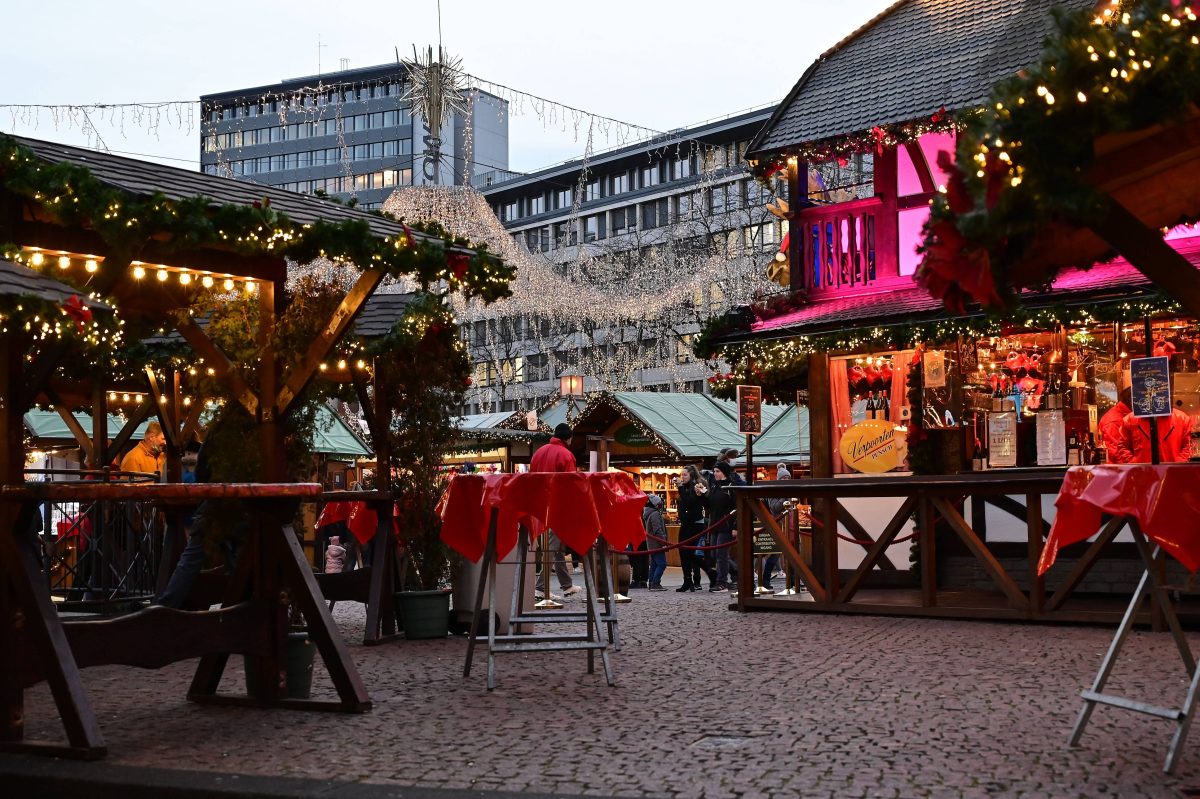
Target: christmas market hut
x,y
928,412
137,249
488,443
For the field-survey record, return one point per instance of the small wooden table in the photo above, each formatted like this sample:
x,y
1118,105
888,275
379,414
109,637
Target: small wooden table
x,y
1159,504
271,574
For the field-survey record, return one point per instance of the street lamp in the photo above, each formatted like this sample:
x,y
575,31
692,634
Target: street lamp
x,y
571,387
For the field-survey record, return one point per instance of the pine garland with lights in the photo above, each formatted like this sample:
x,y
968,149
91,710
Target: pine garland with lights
x,y
840,148
1021,162
780,366
76,197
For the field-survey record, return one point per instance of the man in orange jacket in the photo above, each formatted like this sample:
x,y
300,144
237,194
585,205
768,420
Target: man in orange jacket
x,y
1112,429
1174,438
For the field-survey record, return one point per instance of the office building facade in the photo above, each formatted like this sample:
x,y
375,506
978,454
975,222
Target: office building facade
x,y
347,134
679,199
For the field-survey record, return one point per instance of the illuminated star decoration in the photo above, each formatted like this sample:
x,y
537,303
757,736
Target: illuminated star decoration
x,y
435,92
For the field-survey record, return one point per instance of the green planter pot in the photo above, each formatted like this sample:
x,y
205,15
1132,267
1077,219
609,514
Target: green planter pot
x,y
424,614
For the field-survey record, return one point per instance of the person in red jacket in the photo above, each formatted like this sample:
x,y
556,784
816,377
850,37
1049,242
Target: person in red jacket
x,y
1112,429
556,456
1174,438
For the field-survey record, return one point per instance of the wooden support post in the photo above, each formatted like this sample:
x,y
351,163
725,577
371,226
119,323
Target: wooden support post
x,y
820,419
1145,249
1035,531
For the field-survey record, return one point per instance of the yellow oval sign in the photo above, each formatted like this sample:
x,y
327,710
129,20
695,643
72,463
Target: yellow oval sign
x,y
873,446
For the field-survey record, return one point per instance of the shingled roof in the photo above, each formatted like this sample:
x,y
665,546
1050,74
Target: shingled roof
x,y
21,281
906,63
143,179
381,313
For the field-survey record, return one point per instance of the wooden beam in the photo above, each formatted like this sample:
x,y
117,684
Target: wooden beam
x,y
139,415
957,523
920,166
793,556
875,553
1150,254
860,533
1082,566
322,344
64,413
166,416
213,356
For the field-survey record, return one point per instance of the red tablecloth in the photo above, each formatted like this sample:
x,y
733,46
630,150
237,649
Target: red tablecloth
x,y
360,519
1165,501
578,506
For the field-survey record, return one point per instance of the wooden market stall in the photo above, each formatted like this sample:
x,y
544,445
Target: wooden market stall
x,y
938,438
652,436
150,239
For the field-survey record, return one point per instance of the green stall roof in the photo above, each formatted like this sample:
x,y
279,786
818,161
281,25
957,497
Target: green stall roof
x,y
333,436
770,413
49,426
692,424
787,438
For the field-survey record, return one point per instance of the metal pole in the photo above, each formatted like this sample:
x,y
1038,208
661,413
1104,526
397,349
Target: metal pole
x,y
1155,454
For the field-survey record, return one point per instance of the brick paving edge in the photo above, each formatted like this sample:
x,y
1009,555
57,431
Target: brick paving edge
x,y
29,776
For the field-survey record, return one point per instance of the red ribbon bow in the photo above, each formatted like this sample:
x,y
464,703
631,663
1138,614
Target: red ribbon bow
x,y
74,308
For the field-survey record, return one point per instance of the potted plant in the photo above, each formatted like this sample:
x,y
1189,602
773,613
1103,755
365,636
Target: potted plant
x,y
429,372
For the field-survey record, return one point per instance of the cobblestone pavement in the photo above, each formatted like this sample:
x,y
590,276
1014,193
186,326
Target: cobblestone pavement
x,y
708,703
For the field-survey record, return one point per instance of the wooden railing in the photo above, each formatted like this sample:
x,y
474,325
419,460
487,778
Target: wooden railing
x,y
931,507
841,246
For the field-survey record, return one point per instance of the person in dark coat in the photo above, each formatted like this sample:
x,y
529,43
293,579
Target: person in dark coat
x,y
693,498
720,511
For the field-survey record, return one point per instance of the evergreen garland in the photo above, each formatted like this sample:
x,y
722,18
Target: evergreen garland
x,y
1020,163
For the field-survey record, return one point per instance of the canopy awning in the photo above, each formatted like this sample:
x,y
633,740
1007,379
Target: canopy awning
x,y
333,436
787,438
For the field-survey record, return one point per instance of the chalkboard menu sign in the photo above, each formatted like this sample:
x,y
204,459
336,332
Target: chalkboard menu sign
x,y
1150,380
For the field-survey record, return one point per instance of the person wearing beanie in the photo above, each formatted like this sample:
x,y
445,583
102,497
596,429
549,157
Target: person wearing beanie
x,y
720,506
556,456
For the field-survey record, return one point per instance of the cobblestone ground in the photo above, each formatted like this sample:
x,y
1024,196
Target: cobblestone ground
x,y
708,703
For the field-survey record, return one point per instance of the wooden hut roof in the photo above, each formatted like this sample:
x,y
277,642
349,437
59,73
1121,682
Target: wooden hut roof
x,y
906,63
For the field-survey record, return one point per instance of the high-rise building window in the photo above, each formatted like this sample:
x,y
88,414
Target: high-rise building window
x,y
592,191
537,205
681,169
619,183
562,199
593,228
650,176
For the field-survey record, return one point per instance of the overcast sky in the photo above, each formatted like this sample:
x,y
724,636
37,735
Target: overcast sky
x,y
660,65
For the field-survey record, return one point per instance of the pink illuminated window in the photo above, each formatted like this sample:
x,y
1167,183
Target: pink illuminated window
x,y
911,220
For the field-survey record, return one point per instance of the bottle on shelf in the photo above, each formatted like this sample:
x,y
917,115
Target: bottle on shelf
x,y
870,405
1091,454
1074,450
883,408
997,397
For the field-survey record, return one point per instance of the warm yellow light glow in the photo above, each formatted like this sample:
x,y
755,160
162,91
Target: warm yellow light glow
x,y
37,259
185,278
91,265
64,261
112,396
228,284
163,275
341,364
211,371
125,397
251,287
207,281
187,401
360,364
139,272
137,398
322,367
